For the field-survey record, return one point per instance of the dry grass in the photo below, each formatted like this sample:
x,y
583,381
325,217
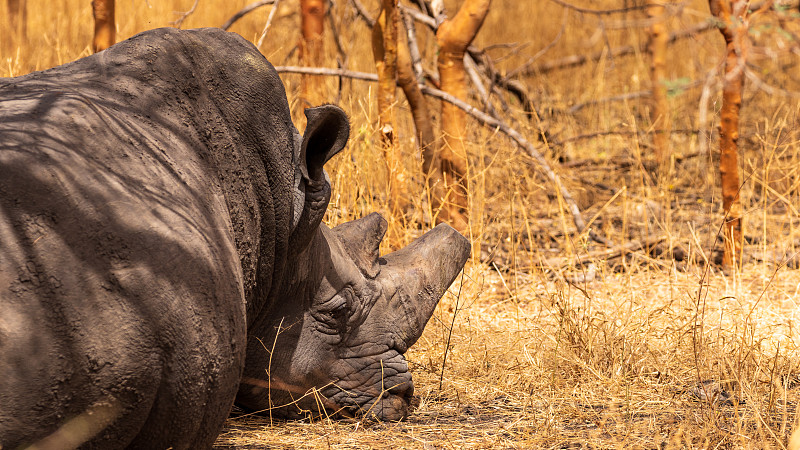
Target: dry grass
x,y
606,355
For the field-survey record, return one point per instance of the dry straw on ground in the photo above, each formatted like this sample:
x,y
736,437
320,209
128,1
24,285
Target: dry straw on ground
x,y
655,348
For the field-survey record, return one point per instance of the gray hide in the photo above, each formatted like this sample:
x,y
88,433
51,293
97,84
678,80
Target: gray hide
x,y
157,206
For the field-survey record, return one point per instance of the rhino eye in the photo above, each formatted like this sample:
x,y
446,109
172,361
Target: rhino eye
x,y
340,316
334,316
334,320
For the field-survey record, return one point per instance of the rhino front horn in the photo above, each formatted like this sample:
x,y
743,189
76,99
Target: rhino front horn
x,y
421,273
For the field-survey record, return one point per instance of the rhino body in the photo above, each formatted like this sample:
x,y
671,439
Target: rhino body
x,y
160,230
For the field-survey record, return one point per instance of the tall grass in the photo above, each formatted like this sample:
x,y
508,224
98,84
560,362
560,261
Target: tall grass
x,y
654,349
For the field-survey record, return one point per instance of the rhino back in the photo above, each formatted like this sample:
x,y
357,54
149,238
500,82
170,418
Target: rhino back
x,y
137,189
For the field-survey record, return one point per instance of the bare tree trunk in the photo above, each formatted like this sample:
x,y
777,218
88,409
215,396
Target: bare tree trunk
x,y
18,16
105,31
384,51
454,36
733,16
312,25
659,109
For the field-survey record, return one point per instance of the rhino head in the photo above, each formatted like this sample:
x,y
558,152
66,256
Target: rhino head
x,y
333,341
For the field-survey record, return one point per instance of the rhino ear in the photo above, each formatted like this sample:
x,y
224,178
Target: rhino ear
x,y
362,240
326,134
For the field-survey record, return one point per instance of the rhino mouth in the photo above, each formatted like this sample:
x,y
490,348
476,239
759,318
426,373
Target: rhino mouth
x,y
384,390
377,388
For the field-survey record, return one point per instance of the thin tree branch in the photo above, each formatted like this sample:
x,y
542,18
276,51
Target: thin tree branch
x,y
362,11
576,60
335,32
631,95
482,117
437,12
627,96
771,90
605,133
472,59
419,16
598,12
185,15
413,46
269,22
702,110
326,71
607,253
244,11
514,87
472,72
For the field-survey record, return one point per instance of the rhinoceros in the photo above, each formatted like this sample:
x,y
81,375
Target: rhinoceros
x,y
162,254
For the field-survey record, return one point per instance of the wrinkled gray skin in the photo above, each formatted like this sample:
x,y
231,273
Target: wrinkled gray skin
x,y
159,222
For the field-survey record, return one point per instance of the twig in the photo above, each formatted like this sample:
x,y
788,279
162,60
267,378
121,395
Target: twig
x,y
702,110
514,87
576,60
617,98
362,11
269,22
413,46
482,117
551,44
328,71
631,95
598,12
544,166
244,11
437,12
335,32
450,331
185,15
771,90
471,58
418,16
472,72
597,134
608,253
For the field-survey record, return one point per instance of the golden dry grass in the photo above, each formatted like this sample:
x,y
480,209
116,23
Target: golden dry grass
x,y
538,354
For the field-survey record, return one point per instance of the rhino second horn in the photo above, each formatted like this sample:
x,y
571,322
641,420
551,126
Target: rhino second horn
x,y
362,240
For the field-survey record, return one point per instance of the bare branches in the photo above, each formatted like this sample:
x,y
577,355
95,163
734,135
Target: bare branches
x,y
543,165
244,11
485,119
